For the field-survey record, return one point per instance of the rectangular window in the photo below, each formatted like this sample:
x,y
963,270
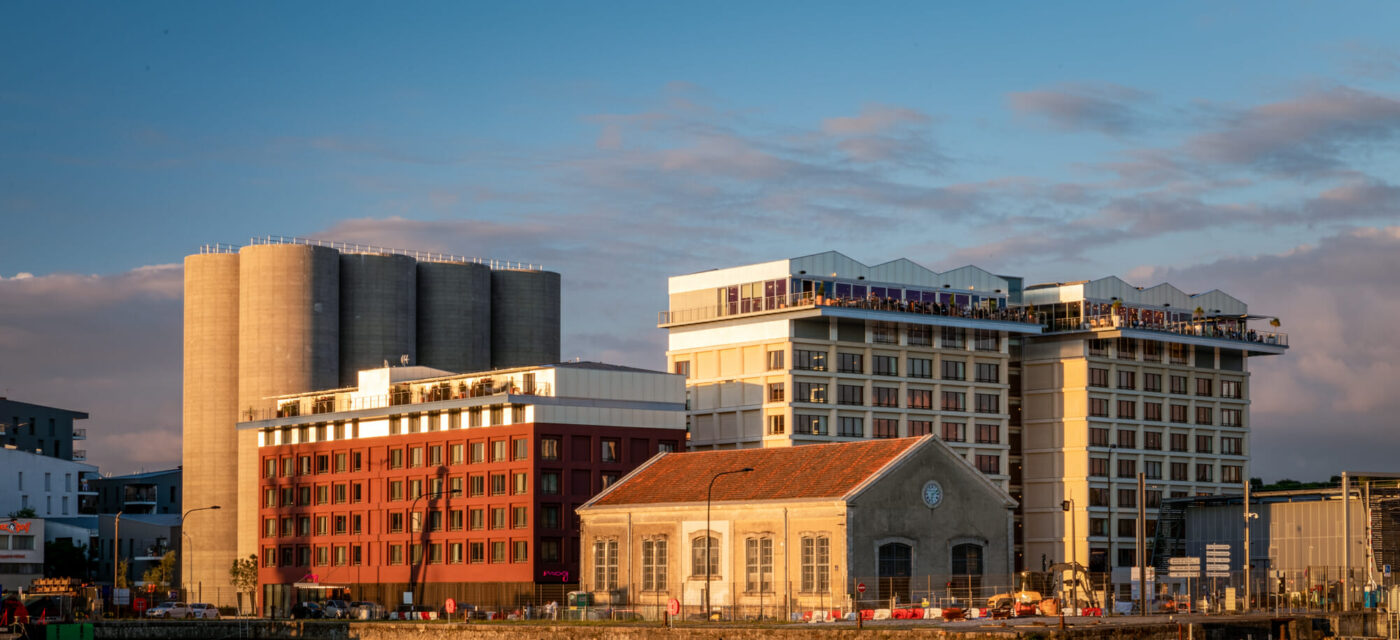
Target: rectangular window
x,y
1230,389
498,552
1098,407
1127,349
1229,473
884,333
1204,386
395,554
954,432
1205,473
776,392
1178,442
1152,440
498,450
520,484
811,392
1152,382
477,485
477,552
1204,443
1179,471
988,402
396,458
984,340
498,484
1098,377
1152,411
1098,496
1098,347
988,372
1178,385
884,365
953,401
1098,467
920,427
1152,470
1098,526
1231,446
605,565
920,398
1127,380
1127,468
549,483
477,519
850,394
1203,415
775,360
758,564
549,516
920,336
1178,413
954,370
609,450
953,338
809,360
455,454
1151,351
815,564
920,368
885,428
809,424
885,396
498,518
520,517
851,427
988,434
850,363
777,425
682,368
1098,437
1231,418
654,562
989,464
1127,498
1127,409
549,448
1180,354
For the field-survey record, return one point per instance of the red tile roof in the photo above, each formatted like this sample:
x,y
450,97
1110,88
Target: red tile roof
x,y
779,473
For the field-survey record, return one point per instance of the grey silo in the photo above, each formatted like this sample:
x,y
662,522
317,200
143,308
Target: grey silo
x,y
454,316
210,407
378,310
288,342
524,317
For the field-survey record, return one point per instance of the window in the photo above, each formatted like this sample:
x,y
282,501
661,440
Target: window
x,y
1098,407
395,554
1179,354
520,484
605,565
775,360
395,522
1098,437
1127,409
1229,473
654,559
478,519
953,401
989,464
1152,411
396,489
1231,446
549,550
478,452
454,553
1153,501
1152,440
1098,496
498,449
1204,443
920,398
1127,468
269,468
850,363
851,427
1127,379
758,564
953,338
1127,528
809,360
885,428
1230,389
1230,418
396,458
474,416
522,449
920,427
811,392
1098,377
415,457
954,432
988,402
885,396
704,550
920,336
884,365
1127,497
984,340
988,434
549,516
455,454
1204,415
1205,472
1098,526
520,517
1098,467
1098,348
1127,439
988,372
681,368
1178,385
1179,413
477,485
809,424
1179,471
1127,349
850,394
884,333
498,518
549,448
1152,382
815,564
1178,442
775,392
455,522
1151,351
954,370
777,425
1152,470
498,552
920,368
339,494
1204,386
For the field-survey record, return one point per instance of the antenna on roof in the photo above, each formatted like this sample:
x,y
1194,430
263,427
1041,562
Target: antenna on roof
x,y
403,360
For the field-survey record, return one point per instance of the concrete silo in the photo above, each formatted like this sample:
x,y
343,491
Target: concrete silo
x,y
454,316
288,342
378,307
524,317
210,399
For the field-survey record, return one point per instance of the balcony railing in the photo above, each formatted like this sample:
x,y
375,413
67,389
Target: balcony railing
x,y
80,434
139,495
79,454
1218,328
398,397
808,300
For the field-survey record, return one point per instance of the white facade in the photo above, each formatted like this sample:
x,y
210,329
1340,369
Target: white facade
x,y
21,552
51,486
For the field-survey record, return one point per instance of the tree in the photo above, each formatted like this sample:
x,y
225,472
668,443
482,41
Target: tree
x,y
123,568
244,574
63,559
27,512
162,575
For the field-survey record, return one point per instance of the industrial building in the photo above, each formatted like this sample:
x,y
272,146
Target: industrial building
x,y
778,530
288,315
421,481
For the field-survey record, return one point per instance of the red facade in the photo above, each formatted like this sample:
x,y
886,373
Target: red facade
x,y
477,505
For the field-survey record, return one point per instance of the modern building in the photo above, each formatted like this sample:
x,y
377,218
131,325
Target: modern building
x,y
138,493
141,541
783,529
442,485
39,429
21,552
282,316
51,486
823,348
1128,381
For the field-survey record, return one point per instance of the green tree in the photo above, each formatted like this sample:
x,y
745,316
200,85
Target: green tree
x,y
162,575
63,559
244,574
27,512
123,568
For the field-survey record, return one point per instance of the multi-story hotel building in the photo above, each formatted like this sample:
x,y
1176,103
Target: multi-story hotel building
x,y
448,485
823,348
1125,381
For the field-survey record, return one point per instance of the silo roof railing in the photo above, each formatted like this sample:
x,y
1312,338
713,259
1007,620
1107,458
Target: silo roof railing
x,y
348,247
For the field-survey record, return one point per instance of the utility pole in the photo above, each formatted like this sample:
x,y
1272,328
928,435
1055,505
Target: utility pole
x,y
1142,543
1247,561
1346,542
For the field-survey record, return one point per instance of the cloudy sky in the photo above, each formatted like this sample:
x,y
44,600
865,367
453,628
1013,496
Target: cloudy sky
x,y
1251,147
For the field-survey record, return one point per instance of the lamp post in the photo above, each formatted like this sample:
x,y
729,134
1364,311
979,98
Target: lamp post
x,y
183,575
708,537
1068,505
413,511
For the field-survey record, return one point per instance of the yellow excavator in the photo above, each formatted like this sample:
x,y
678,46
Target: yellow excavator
x,y
1073,591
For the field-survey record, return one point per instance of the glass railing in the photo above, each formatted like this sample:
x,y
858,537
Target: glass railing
x,y
80,434
79,454
422,395
804,300
1218,328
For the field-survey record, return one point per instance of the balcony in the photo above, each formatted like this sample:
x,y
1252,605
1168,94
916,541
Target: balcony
x,y
139,495
804,300
80,434
400,395
1215,328
80,454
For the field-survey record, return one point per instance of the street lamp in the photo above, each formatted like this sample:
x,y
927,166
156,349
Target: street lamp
x,y
412,512
1068,505
184,576
708,537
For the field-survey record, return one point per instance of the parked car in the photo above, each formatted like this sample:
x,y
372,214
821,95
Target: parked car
x,y
169,610
336,608
204,611
307,610
365,610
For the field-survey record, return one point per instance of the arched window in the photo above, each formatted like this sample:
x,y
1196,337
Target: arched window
x,y
895,565
697,556
966,569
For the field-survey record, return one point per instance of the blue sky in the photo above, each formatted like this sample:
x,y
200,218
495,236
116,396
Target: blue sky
x,y
622,142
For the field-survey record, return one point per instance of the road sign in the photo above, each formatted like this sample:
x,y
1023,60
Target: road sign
x,y
1217,567
1217,554
450,606
1217,574
1189,560
1151,573
1184,573
860,587
1387,571
673,607
1218,547
139,604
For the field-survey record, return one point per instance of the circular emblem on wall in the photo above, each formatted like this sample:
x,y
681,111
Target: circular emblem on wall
x,y
933,493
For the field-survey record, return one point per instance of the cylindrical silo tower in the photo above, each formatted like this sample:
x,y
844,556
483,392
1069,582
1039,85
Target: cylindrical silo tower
x,y
524,317
378,294
210,411
454,316
288,342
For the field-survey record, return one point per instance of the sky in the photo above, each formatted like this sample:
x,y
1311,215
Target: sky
x,y
1250,147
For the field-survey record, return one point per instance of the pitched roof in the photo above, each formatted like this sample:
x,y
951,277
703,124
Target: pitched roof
x,y
779,473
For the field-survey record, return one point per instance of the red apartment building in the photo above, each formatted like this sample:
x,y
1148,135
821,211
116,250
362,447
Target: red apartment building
x,y
460,486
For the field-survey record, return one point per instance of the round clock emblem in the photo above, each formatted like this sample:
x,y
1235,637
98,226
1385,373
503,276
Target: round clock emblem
x,y
933,493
